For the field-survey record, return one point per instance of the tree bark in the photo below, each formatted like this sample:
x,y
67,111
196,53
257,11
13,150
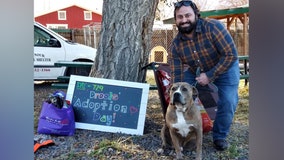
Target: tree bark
x,y
124,44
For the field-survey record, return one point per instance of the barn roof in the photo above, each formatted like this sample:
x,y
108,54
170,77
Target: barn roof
x,y
68,6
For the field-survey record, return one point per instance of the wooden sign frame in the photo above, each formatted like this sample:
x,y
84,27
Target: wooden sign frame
x,y
101,83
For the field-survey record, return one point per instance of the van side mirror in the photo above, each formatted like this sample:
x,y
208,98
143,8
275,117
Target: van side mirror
x,y
54,42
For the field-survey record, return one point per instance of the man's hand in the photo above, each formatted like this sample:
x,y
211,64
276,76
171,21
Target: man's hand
x,y
202,79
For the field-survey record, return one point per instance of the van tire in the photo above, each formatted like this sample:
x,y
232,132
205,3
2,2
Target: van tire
x,y
78,71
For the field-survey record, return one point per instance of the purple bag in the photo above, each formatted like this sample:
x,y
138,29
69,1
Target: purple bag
x,y
56,121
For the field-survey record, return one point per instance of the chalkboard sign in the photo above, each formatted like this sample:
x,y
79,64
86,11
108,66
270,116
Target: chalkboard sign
x,y
108,105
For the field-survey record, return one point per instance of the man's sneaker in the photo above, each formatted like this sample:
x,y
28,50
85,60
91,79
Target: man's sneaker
x,y
221,144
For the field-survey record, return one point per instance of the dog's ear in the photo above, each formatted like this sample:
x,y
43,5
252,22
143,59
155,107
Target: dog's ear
x,y
194,92
168,89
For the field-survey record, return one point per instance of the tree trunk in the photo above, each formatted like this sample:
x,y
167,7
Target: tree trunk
x,y
125,39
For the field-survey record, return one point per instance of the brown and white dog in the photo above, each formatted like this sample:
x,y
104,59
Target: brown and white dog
x,y
183,120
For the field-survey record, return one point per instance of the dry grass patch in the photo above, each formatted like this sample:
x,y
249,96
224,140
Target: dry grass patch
x,y
145,146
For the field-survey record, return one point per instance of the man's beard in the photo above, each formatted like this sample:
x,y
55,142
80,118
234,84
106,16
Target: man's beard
x,y
188,29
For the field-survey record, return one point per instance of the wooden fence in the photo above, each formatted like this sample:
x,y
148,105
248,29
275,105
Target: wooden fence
x,y
161,38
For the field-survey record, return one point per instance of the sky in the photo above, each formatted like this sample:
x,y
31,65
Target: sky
x,y
45,6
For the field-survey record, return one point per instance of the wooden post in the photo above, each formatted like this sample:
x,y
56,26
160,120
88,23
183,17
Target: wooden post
x,y
245,32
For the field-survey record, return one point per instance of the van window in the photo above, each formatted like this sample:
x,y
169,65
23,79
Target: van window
x,y
43,39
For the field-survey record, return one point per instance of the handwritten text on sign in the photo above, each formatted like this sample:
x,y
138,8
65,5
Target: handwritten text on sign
x,y
106,104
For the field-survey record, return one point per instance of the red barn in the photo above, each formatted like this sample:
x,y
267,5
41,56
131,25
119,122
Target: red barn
x,y
73,17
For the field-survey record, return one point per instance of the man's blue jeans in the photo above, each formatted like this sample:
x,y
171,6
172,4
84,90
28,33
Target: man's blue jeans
x,y
227,84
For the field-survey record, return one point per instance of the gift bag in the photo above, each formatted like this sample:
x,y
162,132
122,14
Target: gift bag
x,y
208,95
56,116
207,123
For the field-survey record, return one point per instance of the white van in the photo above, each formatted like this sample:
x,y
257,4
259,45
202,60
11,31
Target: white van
x,y
50,47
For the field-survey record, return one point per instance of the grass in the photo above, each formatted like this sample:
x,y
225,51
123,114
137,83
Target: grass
x,y
125,148
241,116
242,112
122,147
130,149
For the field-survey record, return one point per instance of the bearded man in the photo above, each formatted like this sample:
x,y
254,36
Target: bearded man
x,y
207,46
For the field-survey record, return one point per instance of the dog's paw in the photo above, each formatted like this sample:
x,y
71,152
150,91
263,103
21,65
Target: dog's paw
x,y
179,155
160,151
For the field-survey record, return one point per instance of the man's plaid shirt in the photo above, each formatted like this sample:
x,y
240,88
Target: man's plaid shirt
x,y
211,48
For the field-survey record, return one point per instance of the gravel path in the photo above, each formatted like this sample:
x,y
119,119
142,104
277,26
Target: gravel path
x,y
92,145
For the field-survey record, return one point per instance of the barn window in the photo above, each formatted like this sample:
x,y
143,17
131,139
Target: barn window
x,y
61,15
87,15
